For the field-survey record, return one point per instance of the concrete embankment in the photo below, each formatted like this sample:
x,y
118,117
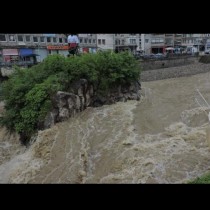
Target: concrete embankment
x,y
173,72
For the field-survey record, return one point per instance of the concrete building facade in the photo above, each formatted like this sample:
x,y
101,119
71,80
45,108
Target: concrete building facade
x,y
31,47
88,42
145,43
131,42
105,41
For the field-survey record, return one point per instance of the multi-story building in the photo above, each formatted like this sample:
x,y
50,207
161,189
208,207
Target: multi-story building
x,y
157,43
31,47
130,42
36,47
196,40
178,40
145,45
206,41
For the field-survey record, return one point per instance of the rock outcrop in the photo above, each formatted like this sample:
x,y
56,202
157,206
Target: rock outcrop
x,y
82,95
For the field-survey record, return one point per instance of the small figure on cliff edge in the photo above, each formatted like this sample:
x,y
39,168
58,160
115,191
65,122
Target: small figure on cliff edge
x,y
73,43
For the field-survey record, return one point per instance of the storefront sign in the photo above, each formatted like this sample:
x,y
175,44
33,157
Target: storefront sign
x,y
54,47
10,52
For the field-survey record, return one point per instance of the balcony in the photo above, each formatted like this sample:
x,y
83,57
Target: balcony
x,y
169,35
169,43
178,35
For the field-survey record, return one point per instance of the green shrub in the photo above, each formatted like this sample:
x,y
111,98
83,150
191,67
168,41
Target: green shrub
x,y
205,179
28,92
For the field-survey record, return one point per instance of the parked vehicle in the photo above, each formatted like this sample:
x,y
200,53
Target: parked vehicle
x,y
207,51
160,56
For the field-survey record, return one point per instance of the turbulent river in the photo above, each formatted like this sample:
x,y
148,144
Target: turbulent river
x,y
159,139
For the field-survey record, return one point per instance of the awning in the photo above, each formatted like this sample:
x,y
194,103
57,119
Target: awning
x,y
25,52
169,48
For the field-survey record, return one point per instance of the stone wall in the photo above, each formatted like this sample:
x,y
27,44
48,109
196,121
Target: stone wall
x,y
170,62
205,59
174,72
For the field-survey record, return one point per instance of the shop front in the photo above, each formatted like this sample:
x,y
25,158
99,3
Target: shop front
x,y
10,55
160,49
42,52
27,55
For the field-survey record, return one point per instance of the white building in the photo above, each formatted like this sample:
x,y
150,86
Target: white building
x,y
105,41
146,43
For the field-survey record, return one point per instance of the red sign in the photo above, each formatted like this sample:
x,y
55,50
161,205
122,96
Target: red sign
x,y
54,47
10,52
85,50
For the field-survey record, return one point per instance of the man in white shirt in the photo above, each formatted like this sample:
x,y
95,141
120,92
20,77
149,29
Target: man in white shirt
x,y
73,42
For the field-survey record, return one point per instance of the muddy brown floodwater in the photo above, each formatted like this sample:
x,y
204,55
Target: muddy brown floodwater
x,y
160,139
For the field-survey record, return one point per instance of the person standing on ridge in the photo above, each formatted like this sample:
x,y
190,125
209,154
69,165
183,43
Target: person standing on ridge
x,y
73,43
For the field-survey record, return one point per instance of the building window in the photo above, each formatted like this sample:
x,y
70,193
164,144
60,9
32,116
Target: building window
x,y
116,42
28,38
65,39
48,39
99,41
35,39
60,40
80,40
146,40
123,42
12,38
103,41
20,38
42,39
89,40
157,41
94,41
132,41
2,38
85,40
54,39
